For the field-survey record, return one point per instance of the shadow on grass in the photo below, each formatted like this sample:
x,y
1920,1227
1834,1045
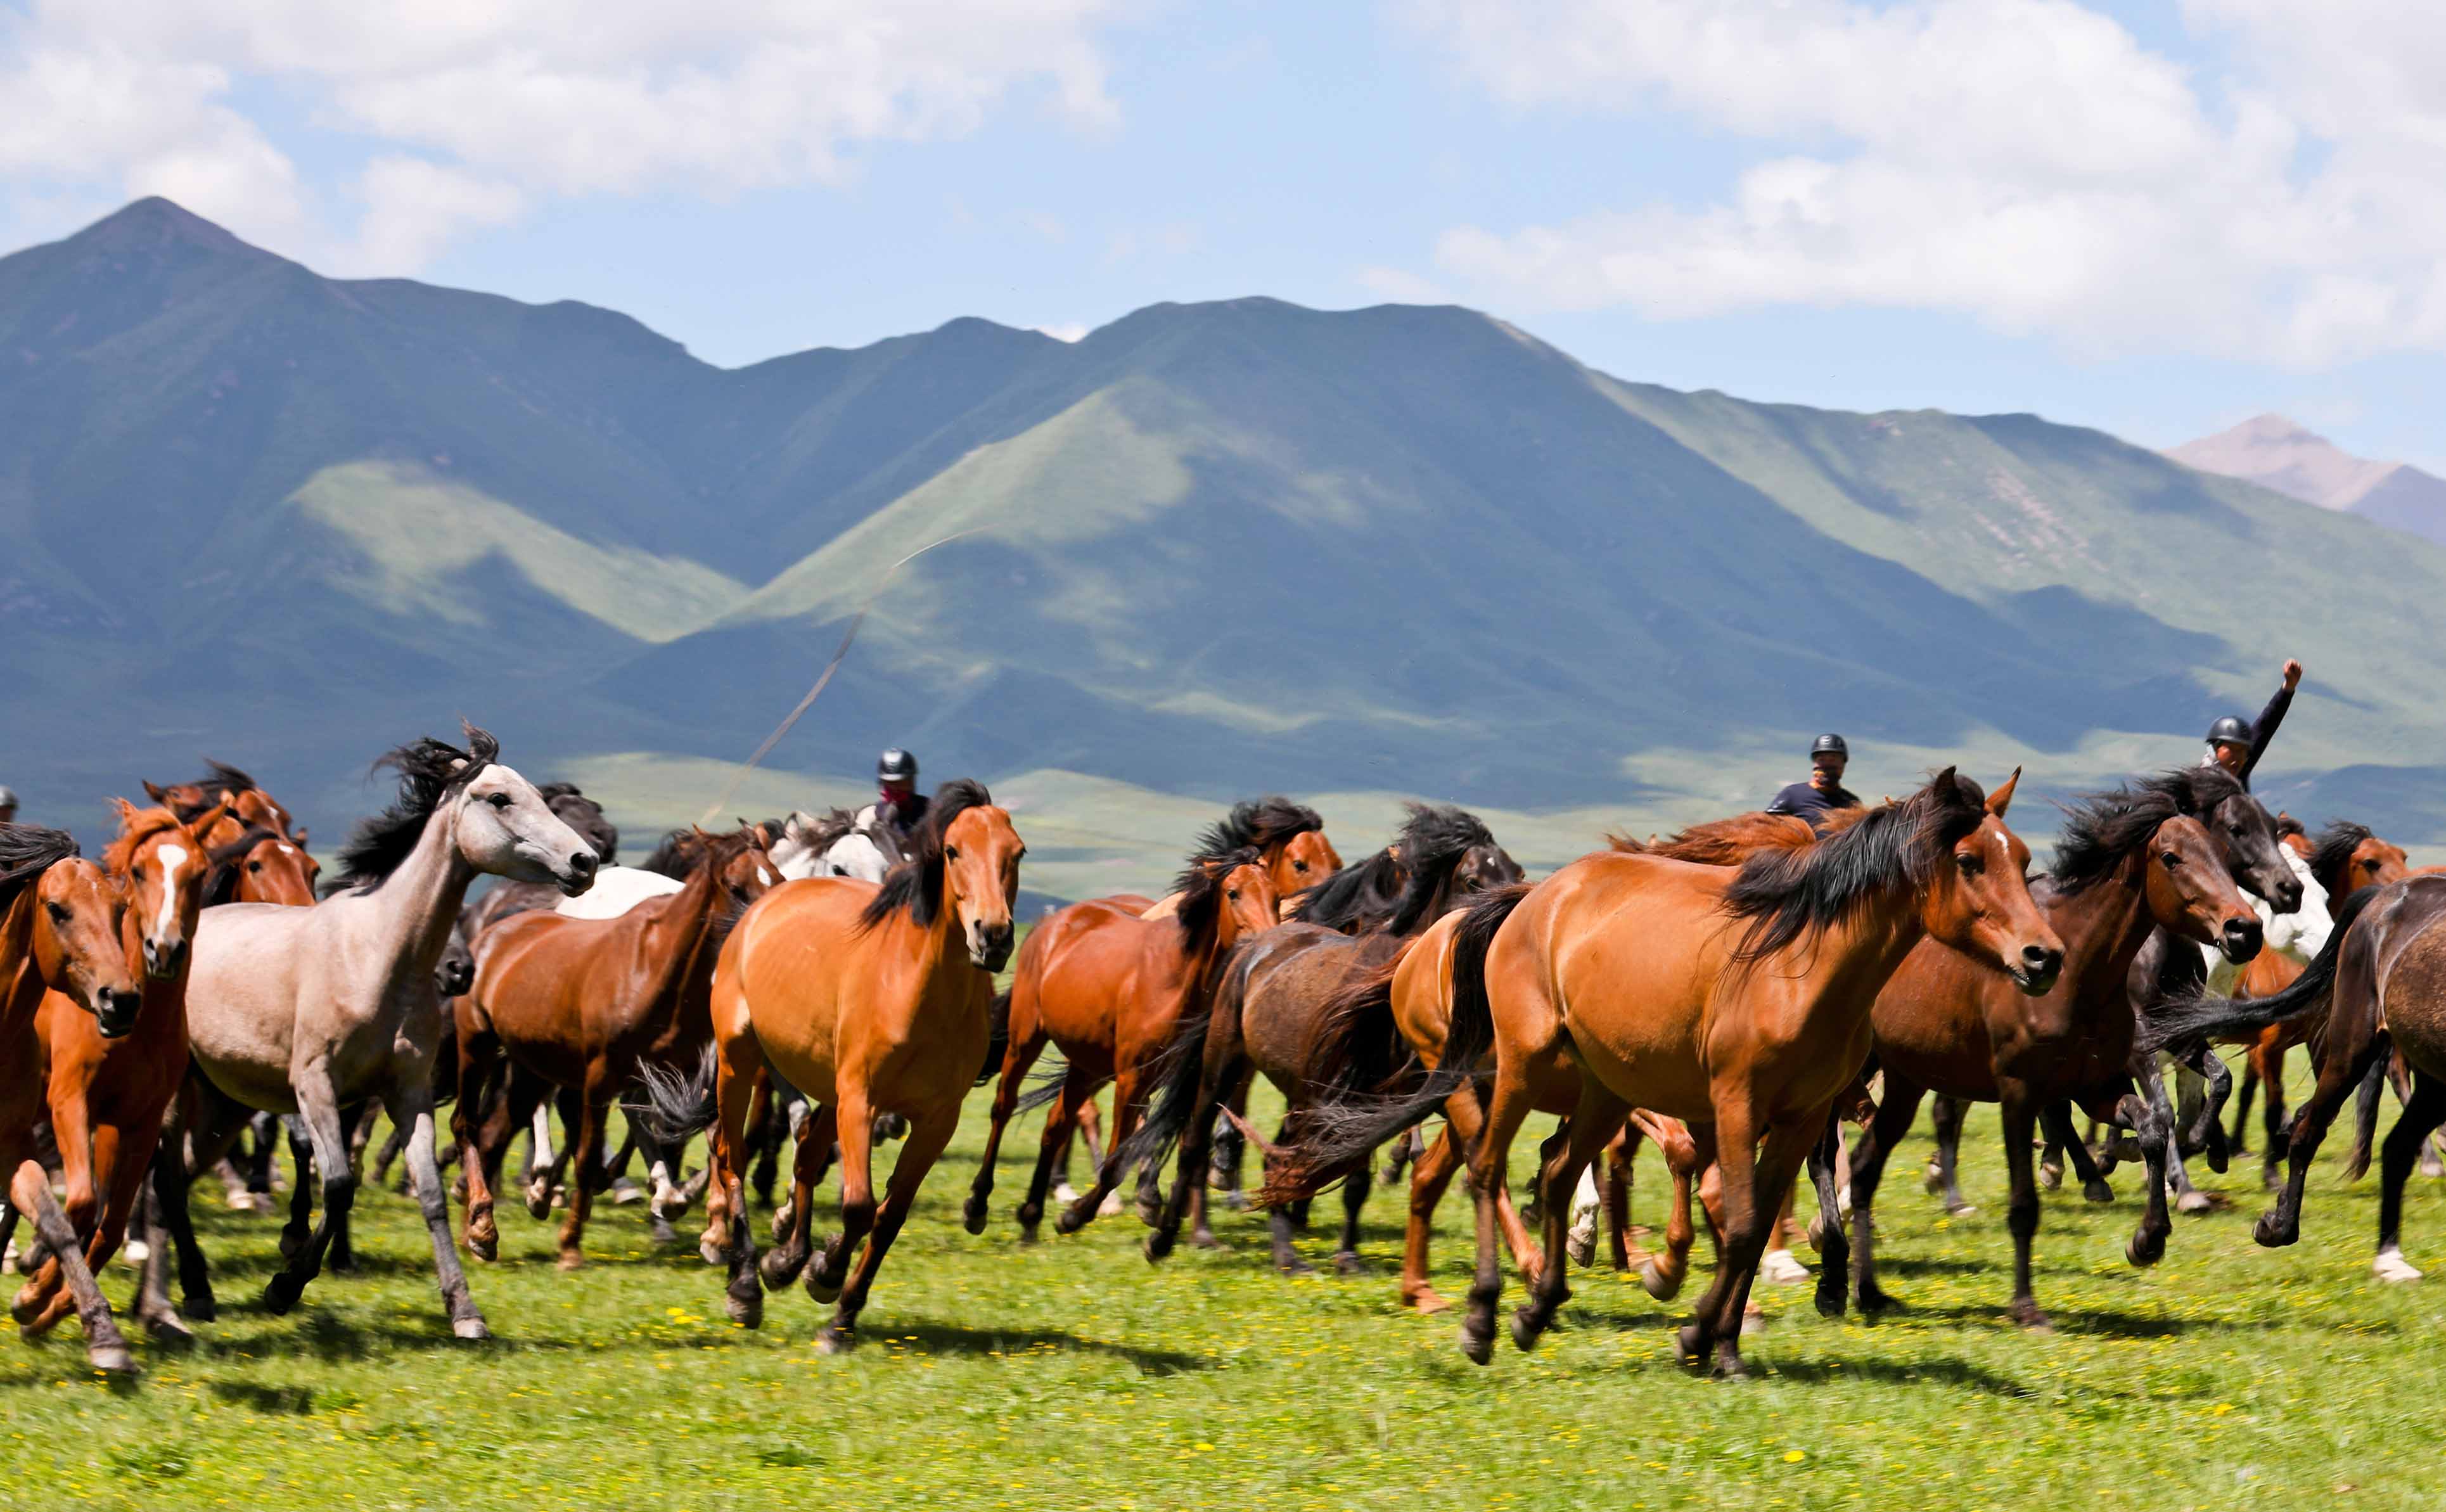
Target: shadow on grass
x,y
952,1338
279,1401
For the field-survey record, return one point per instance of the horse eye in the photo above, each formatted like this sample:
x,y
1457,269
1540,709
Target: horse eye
x,y
1970,864
59,913
255,866
1234,895
1300,867
2171,860
951,852
499,800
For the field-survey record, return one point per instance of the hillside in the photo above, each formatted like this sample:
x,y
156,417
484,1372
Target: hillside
x,y
2281,454
1209,548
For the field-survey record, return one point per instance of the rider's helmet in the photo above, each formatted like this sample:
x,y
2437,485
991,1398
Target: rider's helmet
x,y
2229,731
895,765
1829,744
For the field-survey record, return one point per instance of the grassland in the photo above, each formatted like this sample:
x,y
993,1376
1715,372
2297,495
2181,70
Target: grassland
x,y
1071,1373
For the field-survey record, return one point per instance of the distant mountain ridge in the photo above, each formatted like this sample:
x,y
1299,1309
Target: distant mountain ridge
x,y
1207,548
2281,454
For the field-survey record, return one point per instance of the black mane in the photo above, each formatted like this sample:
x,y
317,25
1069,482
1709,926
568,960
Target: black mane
x,y
674,855
222,864
2333,851
1200,887
428,770
2101,829
2211,786
916,884
1257,823
1362,893
1434,843
27,851
1785,895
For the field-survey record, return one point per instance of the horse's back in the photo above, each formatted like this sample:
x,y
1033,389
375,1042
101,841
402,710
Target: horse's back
x,y
1091,968
788,961
617,890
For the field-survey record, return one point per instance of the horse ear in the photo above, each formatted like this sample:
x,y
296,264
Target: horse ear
x,y
124,809
203,822
300,836
2001,799
153,790
1943,784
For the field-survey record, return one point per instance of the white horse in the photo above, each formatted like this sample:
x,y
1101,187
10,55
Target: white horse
x,y
617,890
312,1010
2302,934
836,844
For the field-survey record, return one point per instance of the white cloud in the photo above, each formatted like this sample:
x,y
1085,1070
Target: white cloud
x,y
1065,331
2026,162
475,108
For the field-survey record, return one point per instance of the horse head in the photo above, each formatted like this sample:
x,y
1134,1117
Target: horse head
x,y
2237,823
2190,892
76,948
1976,876
162,861
979,852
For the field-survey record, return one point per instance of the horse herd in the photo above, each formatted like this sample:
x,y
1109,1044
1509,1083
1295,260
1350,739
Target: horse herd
x,y
1753,996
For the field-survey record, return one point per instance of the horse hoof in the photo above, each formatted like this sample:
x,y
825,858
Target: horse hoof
x,y
1656,1283
1477,1344
2391,1266
822,1290
1525,1329
1691,1343
1779,1268
711,1253
624,1192
486,1247
1961,1210
784,1214
1729,1366
779,1269
972,1217
2271,1233
1204,1240
1157,1248
829,1340
2216,1156
2050,1177
1753,1322
1817,1235
470,1328
341,1264
1829,1294
747,1311
1150,1211
1581,1246
203,1309
2027,1316
1346,1263
2193,1204
2145,1250
538,1203
169,1332
1425,1302
1295,1266
1874,1299
2097,1192
1072,1219
111,1359
1235,1200
570,1260
280,1297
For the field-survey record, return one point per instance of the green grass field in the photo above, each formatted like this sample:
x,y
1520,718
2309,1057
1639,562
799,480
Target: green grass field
x,y
1072,1373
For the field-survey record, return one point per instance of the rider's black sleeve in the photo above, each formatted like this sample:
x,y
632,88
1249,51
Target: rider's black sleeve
x,y
2264,729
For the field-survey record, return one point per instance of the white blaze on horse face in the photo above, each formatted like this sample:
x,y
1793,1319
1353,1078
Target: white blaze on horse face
x,y
171,858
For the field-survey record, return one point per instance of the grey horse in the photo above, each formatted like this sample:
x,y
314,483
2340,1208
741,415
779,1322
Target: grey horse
x,y
311,1010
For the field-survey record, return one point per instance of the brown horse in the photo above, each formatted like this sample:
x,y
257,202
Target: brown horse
x,y
1734,1000
2129,861
244,807
1109,987
59,930
107,1095
1275,1014
586,1003
868,1000
1289,841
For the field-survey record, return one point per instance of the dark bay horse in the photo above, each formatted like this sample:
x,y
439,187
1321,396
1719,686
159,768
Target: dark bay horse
x,y
1273,1015
1734,1000
868,1000
59,931
586,1004
2129,861
107,1093
1110,988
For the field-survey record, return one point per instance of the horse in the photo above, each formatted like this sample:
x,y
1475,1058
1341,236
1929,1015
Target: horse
x,y
1289,839
583,1003
833,844
313,1009
2129,861
1109,989
1735,1000
1274,1013
2378,989
59,931
868,998
107,1094
244,805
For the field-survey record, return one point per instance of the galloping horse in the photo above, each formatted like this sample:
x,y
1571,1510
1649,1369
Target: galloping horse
x,y
1110,988
107,1094
834,845
59,930
869,999
2130,861
313,1009
1734,1000
1289,841
1275,1014
583,1003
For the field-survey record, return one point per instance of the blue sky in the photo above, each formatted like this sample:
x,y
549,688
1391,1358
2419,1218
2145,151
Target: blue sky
x,y
2156,218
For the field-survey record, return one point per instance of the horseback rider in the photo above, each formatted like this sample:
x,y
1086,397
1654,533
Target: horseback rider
x,y
1824,790
2236,745
7,804
898,805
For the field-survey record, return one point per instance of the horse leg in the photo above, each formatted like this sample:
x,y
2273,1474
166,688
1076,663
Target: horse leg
x,y
831,1269
1087,1129
1945,1115
106,1348
299,1231
2151,1078
1077,1086
1508,1108
318,1108
1406,1150
2238,1139
1215,1074
1231,1146
76,1140
411,1102
1753,1182
1129,1106
928,1134
2055,1117
122,1164
208,1123
1661,1276
2019,1110
2341,1071
1465,1115
782,1263
552,1179
729,1239
2207,1130
2150,1125
1616,1193
1017,1057
763,1138
2271,1154
1870,1152
342,1260
2404,1143
1354,1199
1430,1174
1833,1254
586,1154
473,1126
1589,1129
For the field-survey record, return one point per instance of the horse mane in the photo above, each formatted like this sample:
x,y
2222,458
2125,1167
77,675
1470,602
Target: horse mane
x,y
1256,824
27,851
822,833
1434,842
1345,899
136,826
674,855
2103,829
1200,889
2287,826
2333,851
428,770
1730,842
916,884
1786,894
2211,786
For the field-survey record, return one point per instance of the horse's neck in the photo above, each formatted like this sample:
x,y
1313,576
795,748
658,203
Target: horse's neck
x,y
677,939
2103,927
1854,958
419,902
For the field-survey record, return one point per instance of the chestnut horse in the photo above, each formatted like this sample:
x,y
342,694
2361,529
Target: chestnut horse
x,y
1110,989
2129,861
868,1000
1275,1014
1734,1000
107,1094
1289,841
59,930
584,1003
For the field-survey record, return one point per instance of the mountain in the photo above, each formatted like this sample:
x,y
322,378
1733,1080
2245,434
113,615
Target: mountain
x,y
2278,453
1209,549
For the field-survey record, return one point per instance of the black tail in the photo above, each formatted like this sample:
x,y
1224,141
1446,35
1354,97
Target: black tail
x,y
677,1102
1044,1087
2366,1109
1341,1130
1180,1067
2184,1020
998,1044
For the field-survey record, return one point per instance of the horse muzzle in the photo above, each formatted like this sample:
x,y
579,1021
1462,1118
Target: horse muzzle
x,y
2036,969
115,1010
2240,941
164,959
989,945
577,874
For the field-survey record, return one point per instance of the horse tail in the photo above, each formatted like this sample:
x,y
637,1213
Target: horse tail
x,y
1341,1130
1180,1067
678,1103
998,1040
1044,1086
2366,1109
1356,1052
2185,1020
